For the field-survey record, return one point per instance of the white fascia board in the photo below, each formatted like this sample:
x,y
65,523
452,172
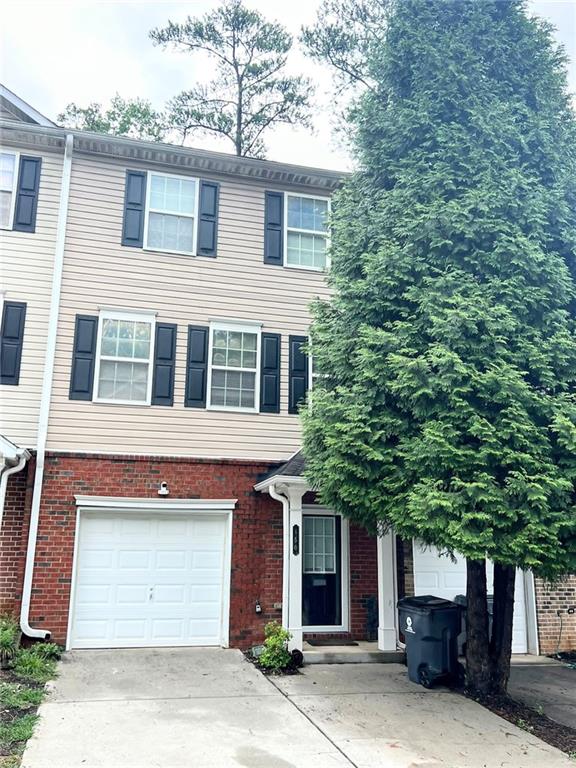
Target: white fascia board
x,y
282,480
154,505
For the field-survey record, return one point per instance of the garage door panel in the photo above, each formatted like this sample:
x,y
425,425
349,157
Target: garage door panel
x,y
147,580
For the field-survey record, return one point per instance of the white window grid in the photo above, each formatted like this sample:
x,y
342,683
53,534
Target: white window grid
x,y
241,328
318,233
12,190
149,209
319,544
137,317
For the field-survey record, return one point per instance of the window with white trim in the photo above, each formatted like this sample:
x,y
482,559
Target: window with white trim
x,y
171,219
234,367
319,544
124,358
307,231
8,181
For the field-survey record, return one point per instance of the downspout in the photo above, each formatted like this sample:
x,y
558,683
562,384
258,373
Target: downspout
x,y
46,395
4,480
286,550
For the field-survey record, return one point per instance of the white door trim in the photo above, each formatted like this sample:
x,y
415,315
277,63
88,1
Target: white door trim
x,y
111,504
313,509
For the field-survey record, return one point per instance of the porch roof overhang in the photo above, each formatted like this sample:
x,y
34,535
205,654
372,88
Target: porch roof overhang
x,y
291,473
10,453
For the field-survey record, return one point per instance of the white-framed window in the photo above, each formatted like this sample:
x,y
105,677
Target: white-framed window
x,y
8,181
171,217
234,363
306,236
124,355
319,544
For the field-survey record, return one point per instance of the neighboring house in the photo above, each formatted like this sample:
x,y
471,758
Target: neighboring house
x,y
153,362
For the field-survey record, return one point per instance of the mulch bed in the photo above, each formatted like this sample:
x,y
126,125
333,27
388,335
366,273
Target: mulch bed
x,y
557,735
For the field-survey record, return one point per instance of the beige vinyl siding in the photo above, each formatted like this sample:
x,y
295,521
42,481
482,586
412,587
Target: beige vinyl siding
x,y
237,285
26,262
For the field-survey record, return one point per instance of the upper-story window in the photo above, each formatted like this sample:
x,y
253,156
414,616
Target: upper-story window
x,y
171,220
233,356
306,231
8,180
124,357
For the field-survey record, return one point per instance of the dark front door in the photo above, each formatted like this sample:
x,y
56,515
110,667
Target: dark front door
x,y
322,571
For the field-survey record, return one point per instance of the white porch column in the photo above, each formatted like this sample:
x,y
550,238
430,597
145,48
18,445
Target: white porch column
x,y
295,538
387,592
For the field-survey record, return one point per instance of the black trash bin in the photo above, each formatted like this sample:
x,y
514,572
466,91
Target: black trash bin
x,y
462,601
431,627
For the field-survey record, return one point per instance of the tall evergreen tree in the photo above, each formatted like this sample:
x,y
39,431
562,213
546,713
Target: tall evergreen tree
x,y
251,91
448,405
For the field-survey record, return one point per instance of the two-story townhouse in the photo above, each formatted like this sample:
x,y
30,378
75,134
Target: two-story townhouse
x,y
169,505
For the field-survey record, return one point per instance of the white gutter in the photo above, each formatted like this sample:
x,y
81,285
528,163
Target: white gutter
x,y
286,549
46,395
24,456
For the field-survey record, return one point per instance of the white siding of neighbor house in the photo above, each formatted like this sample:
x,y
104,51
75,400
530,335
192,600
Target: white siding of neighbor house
x,y
237,285
26,262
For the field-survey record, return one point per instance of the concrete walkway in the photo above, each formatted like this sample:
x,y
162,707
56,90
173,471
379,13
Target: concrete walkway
x,y
545,684
209,708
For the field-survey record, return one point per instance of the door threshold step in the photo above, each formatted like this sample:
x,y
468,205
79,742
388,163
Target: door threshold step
x,y
348,655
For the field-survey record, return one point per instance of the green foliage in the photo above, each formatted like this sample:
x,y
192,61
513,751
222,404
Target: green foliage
x,y
36,663
16,731
251,90
17,696
275,655
135,118
9,638
448,405
47,651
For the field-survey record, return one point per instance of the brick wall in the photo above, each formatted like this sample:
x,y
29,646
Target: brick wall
x,y
404,567
363,581
556,632
256,542
14,536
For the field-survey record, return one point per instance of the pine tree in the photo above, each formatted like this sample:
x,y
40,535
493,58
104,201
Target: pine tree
x,y
448,405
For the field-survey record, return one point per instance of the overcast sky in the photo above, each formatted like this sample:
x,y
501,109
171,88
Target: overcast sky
x,y
53,52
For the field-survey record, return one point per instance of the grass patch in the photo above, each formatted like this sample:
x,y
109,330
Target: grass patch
x,y
17,732
18,696
21,691
34,665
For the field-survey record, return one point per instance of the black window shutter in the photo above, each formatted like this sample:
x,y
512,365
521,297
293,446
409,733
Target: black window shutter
x,y
297,372
134,208
208,218
83,357
164,364
196,366
11,341
270,373
273,228
27,194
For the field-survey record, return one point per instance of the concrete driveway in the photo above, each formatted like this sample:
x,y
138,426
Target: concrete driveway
x,y
545,684
206,708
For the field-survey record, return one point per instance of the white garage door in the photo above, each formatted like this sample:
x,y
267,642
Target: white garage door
x,y
438,575
149,580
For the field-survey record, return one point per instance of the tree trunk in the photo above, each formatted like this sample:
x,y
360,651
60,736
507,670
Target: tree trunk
x,y
501,642
478,668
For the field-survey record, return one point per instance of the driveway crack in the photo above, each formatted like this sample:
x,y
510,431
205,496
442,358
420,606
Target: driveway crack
x,y
315,725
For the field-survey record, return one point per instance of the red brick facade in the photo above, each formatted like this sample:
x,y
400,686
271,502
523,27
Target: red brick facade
x,y
556,626
256,542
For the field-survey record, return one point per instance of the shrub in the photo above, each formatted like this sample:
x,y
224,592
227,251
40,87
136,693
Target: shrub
x,y
9,638
275,655
18,730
